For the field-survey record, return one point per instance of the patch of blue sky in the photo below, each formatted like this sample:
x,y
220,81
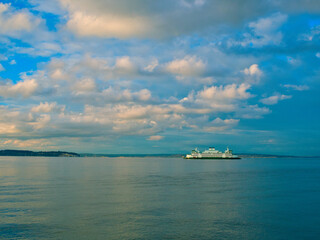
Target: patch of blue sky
x,y
314,22
18,4
24,64
52,20
23,61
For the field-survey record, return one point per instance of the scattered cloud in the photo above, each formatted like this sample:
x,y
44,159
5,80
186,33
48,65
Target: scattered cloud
x,y
253,112
14,21
102,71
47,108
267,30
84,25
125,65
188,66
274,99
221,125
155,138
3,57
85,85
20,23
231,91
7,128
296,87
39,144
253,73
152,66
23,88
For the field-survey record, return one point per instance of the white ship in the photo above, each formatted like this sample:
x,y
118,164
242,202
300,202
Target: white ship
x,y
211,153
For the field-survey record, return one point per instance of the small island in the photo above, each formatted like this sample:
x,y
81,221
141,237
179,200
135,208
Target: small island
x,y
26,153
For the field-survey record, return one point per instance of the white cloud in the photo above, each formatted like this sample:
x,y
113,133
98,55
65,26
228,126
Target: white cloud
x,y
12,22
47,108
2,68
40,144
311,35
84,24
252,112
152,66
296,87
3,57
188,66
125,65
143,95
41,122
140,18
253,74
12,62
84,86
58,74
263,32
116,95
217,98
219,124
43,49
267,29
253,70
274,99
231,91
155,138
7,128
23,88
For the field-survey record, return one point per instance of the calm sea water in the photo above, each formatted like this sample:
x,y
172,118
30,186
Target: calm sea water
x,y
159,198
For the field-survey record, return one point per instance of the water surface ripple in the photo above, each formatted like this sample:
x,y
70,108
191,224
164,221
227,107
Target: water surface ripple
x,y
159,198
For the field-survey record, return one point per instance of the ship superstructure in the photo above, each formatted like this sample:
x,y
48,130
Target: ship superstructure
x,y
211,153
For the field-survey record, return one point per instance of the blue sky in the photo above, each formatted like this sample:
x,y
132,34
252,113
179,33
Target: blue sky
x,y
137,76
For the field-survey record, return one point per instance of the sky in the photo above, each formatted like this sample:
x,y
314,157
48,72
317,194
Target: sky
x,y
144,76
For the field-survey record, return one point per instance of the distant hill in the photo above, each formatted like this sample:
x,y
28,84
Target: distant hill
x,y
27,153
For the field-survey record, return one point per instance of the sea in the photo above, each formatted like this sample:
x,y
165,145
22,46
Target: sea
x,y
159,198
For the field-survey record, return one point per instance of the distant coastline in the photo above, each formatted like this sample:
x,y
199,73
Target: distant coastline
x,y
26,153
242,155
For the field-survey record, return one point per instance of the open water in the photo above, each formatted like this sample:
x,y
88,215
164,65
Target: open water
x,y
159,198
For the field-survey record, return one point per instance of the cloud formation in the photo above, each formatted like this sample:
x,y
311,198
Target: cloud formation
x,y
155,138
274,99
188,66
12,22
91,74
296,87
21,89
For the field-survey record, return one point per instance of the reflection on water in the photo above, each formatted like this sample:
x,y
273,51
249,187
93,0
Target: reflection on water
x,y
158,198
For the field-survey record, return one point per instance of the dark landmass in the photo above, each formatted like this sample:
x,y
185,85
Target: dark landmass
x,y
26,153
